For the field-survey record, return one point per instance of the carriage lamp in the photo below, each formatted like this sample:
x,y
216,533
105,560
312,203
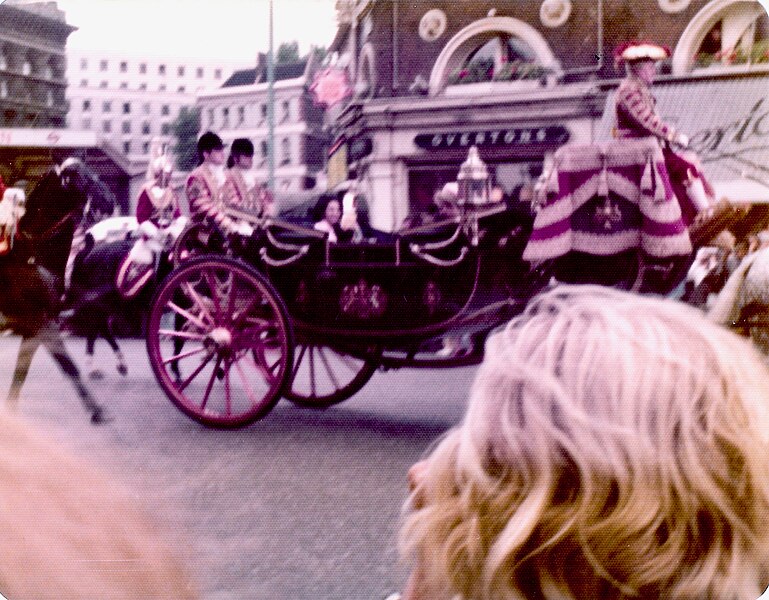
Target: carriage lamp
x,y
473,179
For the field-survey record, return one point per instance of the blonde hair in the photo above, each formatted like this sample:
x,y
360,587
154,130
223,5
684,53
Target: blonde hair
x,y
68,532
614,446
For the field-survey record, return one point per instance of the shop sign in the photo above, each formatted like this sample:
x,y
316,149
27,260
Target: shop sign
x,y
553,135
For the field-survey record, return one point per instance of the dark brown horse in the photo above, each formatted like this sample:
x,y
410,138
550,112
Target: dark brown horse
x,y
32,274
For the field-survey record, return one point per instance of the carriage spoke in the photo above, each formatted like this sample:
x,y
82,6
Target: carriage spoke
x,y
187,315
198,300
185,335
231,299
312,372
196,372
183,355
330,372
227,394
299,360
214,289
211,382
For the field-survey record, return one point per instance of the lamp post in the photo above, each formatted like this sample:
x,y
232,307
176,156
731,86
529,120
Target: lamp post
x,y
270,109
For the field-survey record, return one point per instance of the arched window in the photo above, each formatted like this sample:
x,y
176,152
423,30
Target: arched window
x,y
725,35
501,58
494,49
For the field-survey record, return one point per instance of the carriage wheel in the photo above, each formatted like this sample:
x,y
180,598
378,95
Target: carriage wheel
x,y
325,376
226,330
196,240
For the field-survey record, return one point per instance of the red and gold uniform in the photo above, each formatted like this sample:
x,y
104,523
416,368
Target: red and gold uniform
x,y
241,191
204,187
157,204
637,114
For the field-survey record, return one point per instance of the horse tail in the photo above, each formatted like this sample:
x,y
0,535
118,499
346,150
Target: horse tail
x,y
726,309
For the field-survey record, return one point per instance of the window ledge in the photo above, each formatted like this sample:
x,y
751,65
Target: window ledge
x,y
743,68
492,87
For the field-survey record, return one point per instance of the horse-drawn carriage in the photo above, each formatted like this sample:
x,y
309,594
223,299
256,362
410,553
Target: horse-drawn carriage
x,y
286,312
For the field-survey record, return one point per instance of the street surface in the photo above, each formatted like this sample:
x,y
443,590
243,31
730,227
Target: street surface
x,y
303,505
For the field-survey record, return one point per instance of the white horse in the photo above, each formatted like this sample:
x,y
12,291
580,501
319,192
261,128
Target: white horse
x,y
744,300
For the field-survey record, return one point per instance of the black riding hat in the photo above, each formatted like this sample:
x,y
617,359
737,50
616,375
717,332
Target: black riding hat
x,y
209,141
242,147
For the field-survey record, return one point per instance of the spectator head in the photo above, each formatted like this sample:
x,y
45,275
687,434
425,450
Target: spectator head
x,y
614,446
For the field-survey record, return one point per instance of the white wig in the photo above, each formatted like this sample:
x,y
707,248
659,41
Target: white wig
x,y
614,446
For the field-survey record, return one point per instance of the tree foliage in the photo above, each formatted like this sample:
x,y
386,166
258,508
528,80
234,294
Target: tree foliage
x,y
185,129
288,52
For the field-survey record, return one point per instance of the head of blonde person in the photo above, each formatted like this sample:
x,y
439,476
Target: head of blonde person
x,y
68,532
614,446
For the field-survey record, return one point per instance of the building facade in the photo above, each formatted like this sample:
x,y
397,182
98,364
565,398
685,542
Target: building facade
x,y
519,78
33,104
33,81
239,109
129,101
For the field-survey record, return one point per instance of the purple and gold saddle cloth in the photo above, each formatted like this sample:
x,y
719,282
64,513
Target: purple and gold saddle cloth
x,y
604,199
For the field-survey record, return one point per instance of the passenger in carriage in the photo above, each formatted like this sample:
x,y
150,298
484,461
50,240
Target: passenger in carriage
x,y
328,218
637,117
241,190
204,185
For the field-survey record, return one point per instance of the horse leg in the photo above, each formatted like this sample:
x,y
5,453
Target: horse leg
x,y
90,346
27,351
109,336
51,338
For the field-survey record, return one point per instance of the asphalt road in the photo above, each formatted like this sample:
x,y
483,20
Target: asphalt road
x,y
303,505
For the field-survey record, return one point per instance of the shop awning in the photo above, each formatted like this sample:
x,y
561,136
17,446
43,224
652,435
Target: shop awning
x,y
727,121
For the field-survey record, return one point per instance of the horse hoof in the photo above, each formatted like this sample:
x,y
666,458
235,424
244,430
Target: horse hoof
x,y
96,375
100,416
122,369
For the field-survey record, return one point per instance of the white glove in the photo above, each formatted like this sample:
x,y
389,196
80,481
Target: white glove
x,y
682,140
244,229
148,230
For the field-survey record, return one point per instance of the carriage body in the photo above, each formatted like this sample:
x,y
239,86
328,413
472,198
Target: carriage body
x,y
318,309
416,284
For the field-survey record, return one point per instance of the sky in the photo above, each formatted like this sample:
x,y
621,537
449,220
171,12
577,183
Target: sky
x,y
221,29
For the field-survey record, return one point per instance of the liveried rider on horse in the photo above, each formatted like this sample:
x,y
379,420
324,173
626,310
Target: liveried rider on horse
x,y
617,212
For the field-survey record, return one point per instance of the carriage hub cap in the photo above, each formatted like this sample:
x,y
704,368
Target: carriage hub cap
x,y
221,336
